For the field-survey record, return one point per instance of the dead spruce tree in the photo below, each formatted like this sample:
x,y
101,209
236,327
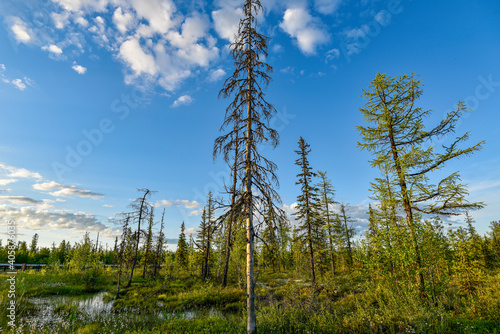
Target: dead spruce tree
x,y
141,207
248,117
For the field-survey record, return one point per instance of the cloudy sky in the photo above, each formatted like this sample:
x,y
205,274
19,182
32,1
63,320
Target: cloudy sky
x,y
101,97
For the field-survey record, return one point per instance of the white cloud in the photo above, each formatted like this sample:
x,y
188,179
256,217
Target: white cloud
x,y
216,75
5,190
160,14
19,172
191,231
187,43
4,182
226,22
79,5
139,61
327,6
19,84
195,213
179,203
60,19
2,67
53,49
78,68
122,20
20,30
299,24
82,21
107,205
182,101
19,200
65,191
39,218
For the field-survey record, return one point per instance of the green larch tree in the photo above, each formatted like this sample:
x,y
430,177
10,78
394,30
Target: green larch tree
x,y
326,195
397,137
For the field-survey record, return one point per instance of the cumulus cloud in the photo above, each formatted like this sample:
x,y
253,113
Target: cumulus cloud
x,y
22,33
122,20
195,213
65,191
216,75
19,172
4,182
157,44
160,14
78,68
299,24
226,21
36,219
182,101
53,49
139,61
18,83
179,203
79,5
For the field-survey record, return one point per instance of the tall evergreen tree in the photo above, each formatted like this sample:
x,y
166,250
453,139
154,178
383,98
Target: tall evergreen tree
x,y
397,137
181,254
326,193
307,209
348,231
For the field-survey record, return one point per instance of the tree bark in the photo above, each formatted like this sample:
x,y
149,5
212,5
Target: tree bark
x,y
251,318
408,211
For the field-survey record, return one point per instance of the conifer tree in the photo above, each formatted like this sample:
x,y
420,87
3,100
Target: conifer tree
x,y
148,242
248,116
397,137
181,255
326,193
201,241
159,246
307,203
348,231
121,252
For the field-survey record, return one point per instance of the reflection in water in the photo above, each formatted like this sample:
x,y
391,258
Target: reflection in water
x,y
62,313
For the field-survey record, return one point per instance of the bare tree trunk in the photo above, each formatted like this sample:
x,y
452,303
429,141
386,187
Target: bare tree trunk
x,y
231,215
138,237
251,318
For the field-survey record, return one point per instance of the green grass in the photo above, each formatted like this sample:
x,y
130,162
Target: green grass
x,y
284,305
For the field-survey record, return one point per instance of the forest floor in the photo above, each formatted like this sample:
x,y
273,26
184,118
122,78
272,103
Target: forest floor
x,y
286,303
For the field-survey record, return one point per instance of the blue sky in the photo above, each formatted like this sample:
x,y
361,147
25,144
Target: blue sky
x,y
101,97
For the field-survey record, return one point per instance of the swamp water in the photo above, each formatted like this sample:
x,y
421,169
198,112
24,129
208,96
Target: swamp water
x,y
66,313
